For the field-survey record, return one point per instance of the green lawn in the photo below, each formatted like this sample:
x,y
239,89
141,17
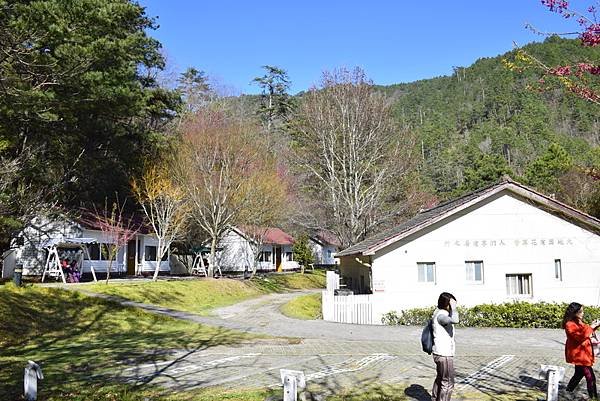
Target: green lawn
x,y
307,307
79,339
202,295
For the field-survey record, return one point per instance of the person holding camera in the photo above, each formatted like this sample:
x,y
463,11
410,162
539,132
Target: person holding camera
x,y
444,318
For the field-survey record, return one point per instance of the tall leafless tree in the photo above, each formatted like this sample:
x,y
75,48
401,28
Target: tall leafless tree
x,y
222,166
354,153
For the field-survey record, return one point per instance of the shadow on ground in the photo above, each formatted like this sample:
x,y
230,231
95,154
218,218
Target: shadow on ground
x,y
83,342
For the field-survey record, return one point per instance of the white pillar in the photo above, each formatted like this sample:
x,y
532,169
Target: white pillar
x,y
554,374
33,372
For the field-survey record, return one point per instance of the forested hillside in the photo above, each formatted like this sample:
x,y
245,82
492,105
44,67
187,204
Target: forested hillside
x,y
486,120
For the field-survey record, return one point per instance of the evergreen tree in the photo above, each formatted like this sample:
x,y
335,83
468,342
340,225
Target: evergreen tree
x,y
275,102
543,173
302,252
79,91
194,88
485,170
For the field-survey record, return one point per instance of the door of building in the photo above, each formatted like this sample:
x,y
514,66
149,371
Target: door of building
x,y
131,248
278,265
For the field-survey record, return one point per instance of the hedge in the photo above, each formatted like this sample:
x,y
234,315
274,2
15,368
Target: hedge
x,y
514,314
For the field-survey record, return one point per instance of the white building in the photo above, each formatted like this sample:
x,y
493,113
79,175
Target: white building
x,y
138,257
505,242
324,247
236,254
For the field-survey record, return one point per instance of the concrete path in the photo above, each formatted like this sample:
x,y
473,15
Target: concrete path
x,y
341,356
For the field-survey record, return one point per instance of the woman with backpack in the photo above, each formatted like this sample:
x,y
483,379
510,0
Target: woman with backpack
x,y
578,348
443,320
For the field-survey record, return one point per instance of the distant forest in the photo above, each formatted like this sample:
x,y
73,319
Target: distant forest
x,y
485,120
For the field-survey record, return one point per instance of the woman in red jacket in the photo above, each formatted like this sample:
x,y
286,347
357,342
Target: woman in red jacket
x,y
578,348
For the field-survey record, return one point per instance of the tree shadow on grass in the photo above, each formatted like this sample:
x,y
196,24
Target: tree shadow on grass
x,y
82,341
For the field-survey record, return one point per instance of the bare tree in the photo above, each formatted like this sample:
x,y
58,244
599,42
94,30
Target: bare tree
x,y
117,230
220,166
353,152
165,208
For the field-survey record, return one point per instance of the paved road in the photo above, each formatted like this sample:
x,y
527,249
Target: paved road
x,y
341,356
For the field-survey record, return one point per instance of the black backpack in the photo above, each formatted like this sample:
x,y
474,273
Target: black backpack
x,y
427,337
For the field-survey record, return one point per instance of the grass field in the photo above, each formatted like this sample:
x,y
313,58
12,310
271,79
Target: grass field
x,y
78,340
202,295
306,307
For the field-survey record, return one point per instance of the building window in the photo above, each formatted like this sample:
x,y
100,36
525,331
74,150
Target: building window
x,y
518,285
474,271
426,272
557,269
289,256
94,251
329,253
105,250
264,256
150,253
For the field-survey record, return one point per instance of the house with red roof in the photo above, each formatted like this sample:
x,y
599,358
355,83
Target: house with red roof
x,y
270,247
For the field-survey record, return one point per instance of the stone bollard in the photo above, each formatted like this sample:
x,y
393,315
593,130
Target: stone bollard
x,y
293,380
553,374
33,372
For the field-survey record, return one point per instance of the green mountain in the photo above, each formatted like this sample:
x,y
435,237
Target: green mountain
x,y
485,120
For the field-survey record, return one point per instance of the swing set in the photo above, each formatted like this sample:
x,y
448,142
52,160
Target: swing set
x,y
198,266
53,268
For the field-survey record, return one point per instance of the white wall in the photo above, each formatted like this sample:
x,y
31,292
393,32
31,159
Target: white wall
x,y
40,230
236,254
144,265
522,235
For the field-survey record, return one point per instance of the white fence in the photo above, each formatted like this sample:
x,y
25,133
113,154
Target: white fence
x,y
333,281
357,309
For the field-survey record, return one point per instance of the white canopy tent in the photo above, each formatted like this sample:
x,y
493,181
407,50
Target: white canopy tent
x,y
52,268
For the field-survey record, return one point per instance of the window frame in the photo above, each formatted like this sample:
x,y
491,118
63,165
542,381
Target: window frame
x,y
147,254
558,275
426,265
519,285
262,257
94,252
474,263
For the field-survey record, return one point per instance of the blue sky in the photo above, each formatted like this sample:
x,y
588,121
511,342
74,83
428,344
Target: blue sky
x,y
394,41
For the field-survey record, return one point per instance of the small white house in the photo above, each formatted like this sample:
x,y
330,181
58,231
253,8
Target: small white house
x,y
324,248
275,254
505,242
138,257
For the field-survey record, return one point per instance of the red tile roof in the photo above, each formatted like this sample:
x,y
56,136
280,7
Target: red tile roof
x,y
278,237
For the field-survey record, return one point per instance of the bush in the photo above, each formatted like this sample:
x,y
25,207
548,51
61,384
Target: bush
x,y
513,314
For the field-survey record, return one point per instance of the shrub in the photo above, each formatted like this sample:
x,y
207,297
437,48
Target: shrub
x,y
513,314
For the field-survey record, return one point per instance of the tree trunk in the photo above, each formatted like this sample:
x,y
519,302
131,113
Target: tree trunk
x,y
158,259
108,270
213,257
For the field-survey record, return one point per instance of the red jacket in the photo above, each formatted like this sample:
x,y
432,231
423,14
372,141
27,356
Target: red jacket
x,y
578,348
